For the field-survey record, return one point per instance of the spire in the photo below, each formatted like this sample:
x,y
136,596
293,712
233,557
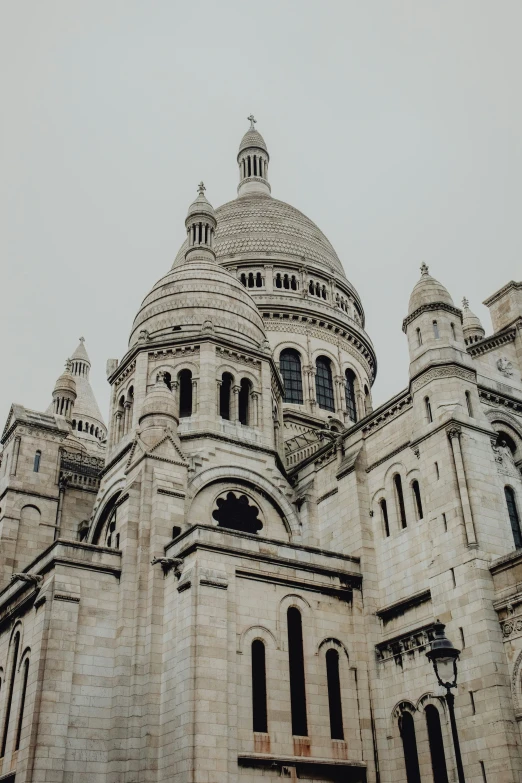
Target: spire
x,y
201,226
471,325
253,160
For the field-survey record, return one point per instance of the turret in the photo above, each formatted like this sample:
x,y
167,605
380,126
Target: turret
x,y
201,226
64,393
471,326
159,412
253,161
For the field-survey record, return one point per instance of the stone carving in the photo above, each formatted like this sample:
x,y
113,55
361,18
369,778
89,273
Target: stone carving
x,y
168,564
505,366
33,579
447,371
143,336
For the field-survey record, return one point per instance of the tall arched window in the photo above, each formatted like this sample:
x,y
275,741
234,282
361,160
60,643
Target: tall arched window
x,y
513,516
438,758
419,337
185,393
436,330
334,695
224,395
36,463
349,391
259,710
324,384
244,401
400,499
417,497
427,404
14,663
22,704
453,334
409,744
384,515
297,674
290,366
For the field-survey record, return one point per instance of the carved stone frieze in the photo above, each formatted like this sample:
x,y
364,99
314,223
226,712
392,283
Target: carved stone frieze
x,y
405,644
447,371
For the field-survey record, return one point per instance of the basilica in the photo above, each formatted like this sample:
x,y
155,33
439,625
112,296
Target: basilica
x,y
238,576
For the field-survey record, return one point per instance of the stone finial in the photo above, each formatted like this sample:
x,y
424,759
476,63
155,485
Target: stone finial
x,y
424,268
82,339
252,121
465,303
201,188
68,366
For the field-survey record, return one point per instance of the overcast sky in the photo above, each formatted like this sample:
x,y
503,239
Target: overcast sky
x,y
396,126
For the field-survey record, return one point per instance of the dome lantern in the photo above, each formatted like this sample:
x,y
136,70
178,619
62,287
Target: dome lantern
x,y
253,161
64,393
201,226
471,325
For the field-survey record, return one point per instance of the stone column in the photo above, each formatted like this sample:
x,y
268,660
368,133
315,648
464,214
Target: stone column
x,y
269,277
339,396
310,401
194,396
234,406
126,416
16,452
175,392
454,433
254,397
118,426
304,282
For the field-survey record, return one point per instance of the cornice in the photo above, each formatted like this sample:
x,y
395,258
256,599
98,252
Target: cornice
x,y
498,294
494,341
490,397
430,307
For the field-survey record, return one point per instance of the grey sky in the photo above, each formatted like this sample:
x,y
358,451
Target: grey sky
x,y
395,126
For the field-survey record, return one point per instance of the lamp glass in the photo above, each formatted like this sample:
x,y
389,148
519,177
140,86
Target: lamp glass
x,y
446,670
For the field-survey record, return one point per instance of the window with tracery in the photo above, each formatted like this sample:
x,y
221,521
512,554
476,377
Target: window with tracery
x,y
324,384
290,366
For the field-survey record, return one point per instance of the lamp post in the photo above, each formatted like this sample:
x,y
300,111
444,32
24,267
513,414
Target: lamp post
x,y
444,659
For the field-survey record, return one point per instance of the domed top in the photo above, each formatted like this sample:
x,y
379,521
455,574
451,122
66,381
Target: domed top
x,y
201,206
428,291
470,322
252,138
261,226
200,296
159,401
65,382
80,353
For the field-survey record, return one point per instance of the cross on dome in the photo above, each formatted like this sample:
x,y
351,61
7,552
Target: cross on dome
x,y
252,121
82,339
465,303
201,188
424,268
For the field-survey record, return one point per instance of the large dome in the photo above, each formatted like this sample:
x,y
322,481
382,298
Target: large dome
x,y
198,296
257,224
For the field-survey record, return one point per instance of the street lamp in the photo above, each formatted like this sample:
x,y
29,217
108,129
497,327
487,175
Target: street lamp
x,y
444,656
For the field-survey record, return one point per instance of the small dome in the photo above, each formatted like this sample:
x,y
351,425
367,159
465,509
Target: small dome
x,y
252,138
160,401
428,291
471,325
65,383
201,206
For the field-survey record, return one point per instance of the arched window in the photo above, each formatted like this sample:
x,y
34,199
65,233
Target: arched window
x,y
400,499
334,695
80,426
429,414
409,744
417,497
453,335
243,279
185,393
167,380
468,403
324,384
259,280
244,401
22,704
297,674
74,424
290,366
286,282
293,283
384,515
436,330
438,758
323,292
224,395
36,463
513,516
349,391
14,663
259,711
250,279
419,337
311,289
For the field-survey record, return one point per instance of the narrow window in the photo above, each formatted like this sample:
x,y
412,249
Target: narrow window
x,y
468,404
349,390
453,580
80,426
22,704
428,409
14,662
437,473
323,292
250,279
400,499
417,497
334,695
454,336
259,711
249,166
36,463
384,515
244,400
445,523
278,281
318,289
185,393
513,516
224,395
438,758
462,638
472,700
324,384
243,279
290,366
74,424
286,282
297,675
293,283
483,770
255,165
419,337
436,330
409,744
259,280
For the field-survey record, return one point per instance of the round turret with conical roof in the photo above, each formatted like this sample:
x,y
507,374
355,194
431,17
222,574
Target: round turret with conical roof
x,y
471,325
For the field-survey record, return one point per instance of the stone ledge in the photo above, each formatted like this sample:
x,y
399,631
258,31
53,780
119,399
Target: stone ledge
x,y
347,770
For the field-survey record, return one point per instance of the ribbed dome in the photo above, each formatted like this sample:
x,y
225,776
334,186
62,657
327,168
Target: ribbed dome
x,y
252,138
428,291
200,206
159,401
471,324
196,294
260,225
65,383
